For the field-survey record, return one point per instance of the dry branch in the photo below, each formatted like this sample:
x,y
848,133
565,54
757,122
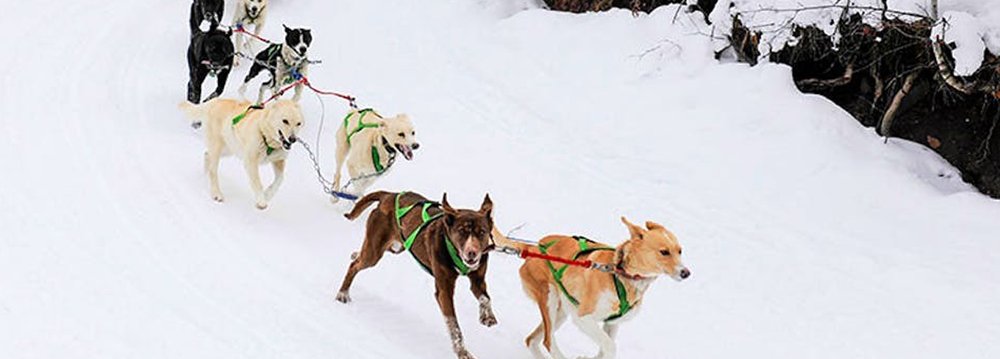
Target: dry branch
x,y
829,83
890,114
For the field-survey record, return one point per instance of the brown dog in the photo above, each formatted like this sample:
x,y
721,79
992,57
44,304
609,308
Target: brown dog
x,y
597,301
446,242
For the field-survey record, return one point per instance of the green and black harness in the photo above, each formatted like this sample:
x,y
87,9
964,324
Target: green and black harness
x,y
427,218
236,120
586,248
361,126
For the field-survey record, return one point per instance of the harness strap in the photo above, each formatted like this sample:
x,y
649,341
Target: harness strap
x,y
273,51
240,117
455,259
267,147
426,218
623,304
361,123
585,249
377,161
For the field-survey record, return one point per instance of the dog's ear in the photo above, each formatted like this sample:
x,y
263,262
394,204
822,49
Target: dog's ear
x,y
487,208
650,225
449,213
635,231
228,30
287,30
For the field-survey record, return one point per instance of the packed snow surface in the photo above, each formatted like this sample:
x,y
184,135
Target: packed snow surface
x,y
807,235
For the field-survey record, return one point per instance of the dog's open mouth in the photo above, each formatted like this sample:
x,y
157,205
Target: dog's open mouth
x,y
286,143
405,150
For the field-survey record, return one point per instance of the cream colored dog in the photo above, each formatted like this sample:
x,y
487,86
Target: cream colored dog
x,y
369,144
248,12
255,136
598,302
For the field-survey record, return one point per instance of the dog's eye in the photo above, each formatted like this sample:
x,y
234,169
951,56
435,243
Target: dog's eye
x,y
678,252
285,121
665,252
413,133
298,124
402,134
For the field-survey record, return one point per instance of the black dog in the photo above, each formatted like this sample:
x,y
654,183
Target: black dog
x,y
206,10
285,62
210,53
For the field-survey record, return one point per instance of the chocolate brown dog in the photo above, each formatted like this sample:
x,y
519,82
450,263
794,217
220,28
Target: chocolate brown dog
x,y
446,242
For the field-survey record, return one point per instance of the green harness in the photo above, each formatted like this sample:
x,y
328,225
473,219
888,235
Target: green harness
x,y
267,148
376,158
427,218
585,249
273,53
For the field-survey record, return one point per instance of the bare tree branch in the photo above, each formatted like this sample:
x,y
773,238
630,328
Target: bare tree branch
x,y
890,114
835,82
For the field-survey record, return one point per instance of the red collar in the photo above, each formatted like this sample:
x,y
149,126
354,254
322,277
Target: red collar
x,y
620,268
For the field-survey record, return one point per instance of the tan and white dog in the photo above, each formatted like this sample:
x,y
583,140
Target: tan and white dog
x,y
596,301
256,137
369,144
248,12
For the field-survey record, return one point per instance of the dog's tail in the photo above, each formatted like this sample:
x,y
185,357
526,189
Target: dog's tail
x,y
502,240
194,112
365,202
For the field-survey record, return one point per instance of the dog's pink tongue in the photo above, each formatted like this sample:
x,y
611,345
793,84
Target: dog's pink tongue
x,y
407,152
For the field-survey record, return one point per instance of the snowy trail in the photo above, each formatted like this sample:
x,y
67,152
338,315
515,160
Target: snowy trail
x,y
807,236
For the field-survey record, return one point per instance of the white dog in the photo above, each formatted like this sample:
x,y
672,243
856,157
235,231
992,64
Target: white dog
x,y
369,143
249,12
255,136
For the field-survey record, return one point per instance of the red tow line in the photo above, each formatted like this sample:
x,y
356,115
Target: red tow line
x,y
584,263
240,29
348,98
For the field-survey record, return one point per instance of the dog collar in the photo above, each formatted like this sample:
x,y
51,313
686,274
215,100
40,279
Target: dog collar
x,y
267,146
620,267
377,160
388,147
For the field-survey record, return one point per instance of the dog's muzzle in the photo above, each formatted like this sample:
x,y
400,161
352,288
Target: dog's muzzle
x,y
286,142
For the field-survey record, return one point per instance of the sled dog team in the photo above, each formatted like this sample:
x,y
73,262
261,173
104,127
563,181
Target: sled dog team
x,y
446,242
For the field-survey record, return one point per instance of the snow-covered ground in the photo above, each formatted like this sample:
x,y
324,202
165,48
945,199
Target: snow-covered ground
x,y
808,237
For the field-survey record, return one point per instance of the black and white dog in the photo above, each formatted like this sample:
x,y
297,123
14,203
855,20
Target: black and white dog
x,y
283,61
210,53
205,11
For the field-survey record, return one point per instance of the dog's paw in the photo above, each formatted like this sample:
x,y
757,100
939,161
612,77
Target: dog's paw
x,y
334,199
464,354
487,319
218,198
343,297
261,205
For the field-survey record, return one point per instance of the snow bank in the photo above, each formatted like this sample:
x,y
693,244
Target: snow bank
x,y
966,33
